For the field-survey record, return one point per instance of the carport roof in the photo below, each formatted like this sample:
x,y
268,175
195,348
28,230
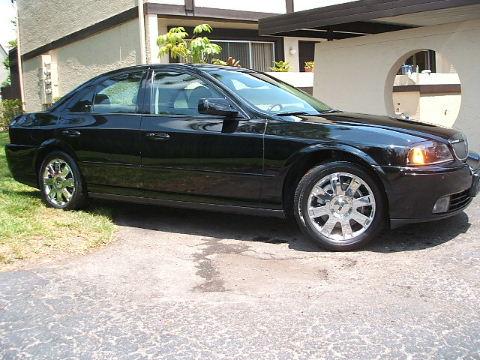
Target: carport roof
x,y
365,17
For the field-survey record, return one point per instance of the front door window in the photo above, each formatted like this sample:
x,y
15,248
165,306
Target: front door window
x,y
179,94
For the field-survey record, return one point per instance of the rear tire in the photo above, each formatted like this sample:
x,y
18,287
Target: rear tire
x,y
60,182
340,206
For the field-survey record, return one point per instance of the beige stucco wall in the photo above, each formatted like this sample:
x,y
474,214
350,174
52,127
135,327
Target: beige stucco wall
x,y
75,15
81,60
357,74
31,84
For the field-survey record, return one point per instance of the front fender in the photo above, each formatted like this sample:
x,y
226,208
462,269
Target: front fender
x,y
339,151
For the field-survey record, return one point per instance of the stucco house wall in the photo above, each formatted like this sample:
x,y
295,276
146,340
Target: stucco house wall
x,y
357,74
31,85
77,62
109,50
39,23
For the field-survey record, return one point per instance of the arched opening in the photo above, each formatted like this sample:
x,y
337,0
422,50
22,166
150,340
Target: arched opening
x,y
424,86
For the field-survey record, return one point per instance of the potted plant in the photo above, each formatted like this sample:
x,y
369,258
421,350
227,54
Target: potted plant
x,y
309,66
230,62
280,66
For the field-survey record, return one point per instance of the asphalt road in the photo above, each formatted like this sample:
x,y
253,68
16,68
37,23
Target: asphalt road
x,y
183,284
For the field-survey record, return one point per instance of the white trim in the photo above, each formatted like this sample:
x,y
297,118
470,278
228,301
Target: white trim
x,y
141,30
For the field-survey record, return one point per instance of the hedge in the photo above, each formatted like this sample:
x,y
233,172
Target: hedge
x,y
8,110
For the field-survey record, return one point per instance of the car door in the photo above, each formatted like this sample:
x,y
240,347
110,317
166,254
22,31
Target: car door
x,y
194,157
102,126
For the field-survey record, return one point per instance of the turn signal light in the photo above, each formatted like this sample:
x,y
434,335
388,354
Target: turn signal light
x,y
429,153
417,156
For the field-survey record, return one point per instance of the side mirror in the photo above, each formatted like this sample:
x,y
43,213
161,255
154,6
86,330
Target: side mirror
x,y
216,106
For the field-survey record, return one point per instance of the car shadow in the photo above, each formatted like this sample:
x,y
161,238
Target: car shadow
x,y
268,229
210,224
276,231
421,236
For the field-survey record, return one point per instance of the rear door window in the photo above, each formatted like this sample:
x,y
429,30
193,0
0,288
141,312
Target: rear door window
x,y
118,94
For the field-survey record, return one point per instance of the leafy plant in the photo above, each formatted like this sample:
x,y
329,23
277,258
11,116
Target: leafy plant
x,y
8,110
197,49
309,65
6,65
230,62
12,44
280,66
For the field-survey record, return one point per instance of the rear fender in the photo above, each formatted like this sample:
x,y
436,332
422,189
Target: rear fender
x,y
52,145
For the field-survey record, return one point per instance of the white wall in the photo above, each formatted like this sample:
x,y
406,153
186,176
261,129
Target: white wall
x,y
302,80
357,74
267,6
299,5
169,2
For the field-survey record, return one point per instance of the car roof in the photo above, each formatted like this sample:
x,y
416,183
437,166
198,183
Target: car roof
x,y
202,67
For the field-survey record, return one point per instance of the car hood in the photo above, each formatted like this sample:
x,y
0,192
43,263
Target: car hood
x,y
410,127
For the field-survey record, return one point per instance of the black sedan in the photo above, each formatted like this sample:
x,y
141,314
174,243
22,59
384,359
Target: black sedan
x,y
233,139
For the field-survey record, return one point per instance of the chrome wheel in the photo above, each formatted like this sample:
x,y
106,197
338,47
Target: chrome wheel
x,y
341,206
58,182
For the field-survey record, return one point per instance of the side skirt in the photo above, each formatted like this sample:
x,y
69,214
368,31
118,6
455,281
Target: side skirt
x,y
191,205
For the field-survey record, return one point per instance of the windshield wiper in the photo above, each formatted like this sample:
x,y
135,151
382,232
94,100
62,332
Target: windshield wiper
x,y
289,113
292,113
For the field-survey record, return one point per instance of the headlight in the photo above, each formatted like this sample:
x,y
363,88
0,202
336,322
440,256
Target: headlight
x,y
429,153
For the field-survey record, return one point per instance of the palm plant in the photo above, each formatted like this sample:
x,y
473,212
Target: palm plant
x,y
197,49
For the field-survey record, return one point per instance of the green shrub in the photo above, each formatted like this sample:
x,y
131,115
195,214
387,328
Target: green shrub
x,y
8,110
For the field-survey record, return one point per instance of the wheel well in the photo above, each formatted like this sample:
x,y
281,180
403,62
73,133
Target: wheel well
x,y
297,171
43,152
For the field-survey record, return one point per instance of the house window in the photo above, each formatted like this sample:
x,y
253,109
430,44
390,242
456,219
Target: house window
x,y
422,60
251,54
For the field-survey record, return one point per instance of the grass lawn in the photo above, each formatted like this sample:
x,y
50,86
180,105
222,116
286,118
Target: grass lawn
x,y
30,230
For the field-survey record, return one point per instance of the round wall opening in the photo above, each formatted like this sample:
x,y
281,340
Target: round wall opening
x,y
426,88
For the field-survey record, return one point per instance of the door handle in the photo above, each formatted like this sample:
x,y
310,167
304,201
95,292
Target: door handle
x,y
157,136
71,133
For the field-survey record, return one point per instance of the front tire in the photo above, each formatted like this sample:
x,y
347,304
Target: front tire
x,y
340,206
60,182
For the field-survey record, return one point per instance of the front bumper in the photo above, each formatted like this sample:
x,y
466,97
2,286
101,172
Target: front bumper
x,y
412,193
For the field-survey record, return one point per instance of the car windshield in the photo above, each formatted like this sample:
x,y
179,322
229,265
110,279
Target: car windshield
x,y
269,95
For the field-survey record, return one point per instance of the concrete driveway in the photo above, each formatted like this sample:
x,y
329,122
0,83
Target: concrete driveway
x,y
181,284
